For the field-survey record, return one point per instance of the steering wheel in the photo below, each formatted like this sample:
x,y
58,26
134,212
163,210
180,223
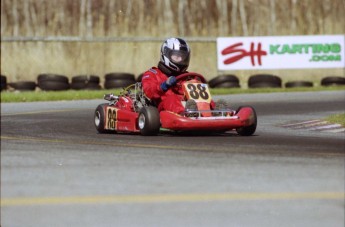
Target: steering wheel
x,y
191,76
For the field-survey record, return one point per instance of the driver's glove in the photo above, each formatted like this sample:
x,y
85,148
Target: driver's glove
x,y
171,81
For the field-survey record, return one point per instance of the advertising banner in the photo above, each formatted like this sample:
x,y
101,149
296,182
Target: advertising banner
x,y
281,52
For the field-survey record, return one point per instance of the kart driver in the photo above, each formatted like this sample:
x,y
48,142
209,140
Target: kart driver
x,y
158,82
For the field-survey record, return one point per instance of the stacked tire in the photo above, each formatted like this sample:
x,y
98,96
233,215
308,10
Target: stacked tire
x,y
140,77
298,83
52,82
225,81
85,82
3,82
23,85
264,81
333,81
118,80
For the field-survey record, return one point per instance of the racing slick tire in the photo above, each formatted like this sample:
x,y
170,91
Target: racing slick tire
x,y
100,119
149,121
250,129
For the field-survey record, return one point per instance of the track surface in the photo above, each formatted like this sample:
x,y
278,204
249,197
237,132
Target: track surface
x,y
57,171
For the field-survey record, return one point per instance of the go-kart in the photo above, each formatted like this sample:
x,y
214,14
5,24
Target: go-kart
x,y
131,111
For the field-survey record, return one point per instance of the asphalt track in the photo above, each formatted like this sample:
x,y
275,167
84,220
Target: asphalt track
x,y
57,171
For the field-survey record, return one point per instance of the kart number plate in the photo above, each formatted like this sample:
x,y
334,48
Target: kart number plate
x,y
197,91
111,118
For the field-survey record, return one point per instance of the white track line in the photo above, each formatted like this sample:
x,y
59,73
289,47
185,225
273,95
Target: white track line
x,y
316,125
300,123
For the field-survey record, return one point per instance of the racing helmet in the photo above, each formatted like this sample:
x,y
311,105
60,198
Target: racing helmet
x,y
175,54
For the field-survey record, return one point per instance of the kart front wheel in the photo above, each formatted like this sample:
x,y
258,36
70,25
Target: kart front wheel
x,y
250,129
149,121
100,119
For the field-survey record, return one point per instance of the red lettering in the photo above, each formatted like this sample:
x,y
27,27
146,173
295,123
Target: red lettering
x,y
243,53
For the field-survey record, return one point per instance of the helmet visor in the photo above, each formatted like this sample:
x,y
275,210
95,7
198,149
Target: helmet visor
x,y
179,57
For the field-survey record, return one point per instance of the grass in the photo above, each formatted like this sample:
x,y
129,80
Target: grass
x,y
32,96
337,119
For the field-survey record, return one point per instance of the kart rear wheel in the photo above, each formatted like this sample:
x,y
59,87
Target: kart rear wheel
x,y
149,121
100,119
250,129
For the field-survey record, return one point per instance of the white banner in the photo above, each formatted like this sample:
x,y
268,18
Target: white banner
x,y
281,52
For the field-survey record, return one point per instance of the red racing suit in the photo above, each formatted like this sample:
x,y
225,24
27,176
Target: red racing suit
x,y
169,100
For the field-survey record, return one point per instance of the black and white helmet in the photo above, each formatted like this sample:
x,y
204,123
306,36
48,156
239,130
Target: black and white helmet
x,y
175,54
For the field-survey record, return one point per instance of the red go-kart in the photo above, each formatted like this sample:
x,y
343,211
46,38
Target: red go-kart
x,y
133,112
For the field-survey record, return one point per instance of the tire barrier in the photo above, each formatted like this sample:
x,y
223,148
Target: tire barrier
x,y
119,76
301,83
3,82
118,80
52,82
85,82
264,81
23,86
55,82
333,81
140,76
225,81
